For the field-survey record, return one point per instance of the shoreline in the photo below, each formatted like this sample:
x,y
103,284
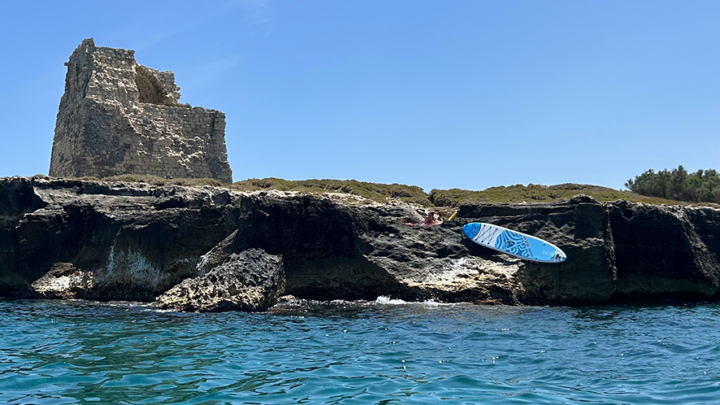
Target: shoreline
x,y
62,238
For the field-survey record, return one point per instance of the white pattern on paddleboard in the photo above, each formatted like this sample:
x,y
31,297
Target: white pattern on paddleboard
x,y
518,244
488,235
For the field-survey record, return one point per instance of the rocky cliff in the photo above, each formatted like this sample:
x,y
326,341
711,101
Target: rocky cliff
x,y
131,241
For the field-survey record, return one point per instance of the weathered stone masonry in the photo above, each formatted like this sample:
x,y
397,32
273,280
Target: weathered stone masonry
x,y
119,117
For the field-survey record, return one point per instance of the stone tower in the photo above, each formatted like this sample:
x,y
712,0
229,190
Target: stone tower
x,y
119,117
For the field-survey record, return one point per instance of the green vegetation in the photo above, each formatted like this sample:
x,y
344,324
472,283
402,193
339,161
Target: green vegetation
x,y
533,193
678,184
373,191
161,181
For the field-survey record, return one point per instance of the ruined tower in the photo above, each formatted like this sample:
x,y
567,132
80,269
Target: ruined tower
x,y
119,117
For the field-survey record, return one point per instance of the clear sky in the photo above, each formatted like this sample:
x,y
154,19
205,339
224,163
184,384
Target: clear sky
x,y
439,94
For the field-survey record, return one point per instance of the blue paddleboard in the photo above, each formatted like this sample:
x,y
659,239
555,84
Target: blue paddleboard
x,y
513,243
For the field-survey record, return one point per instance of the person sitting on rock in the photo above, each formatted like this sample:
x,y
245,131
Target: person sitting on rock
x,y
430,220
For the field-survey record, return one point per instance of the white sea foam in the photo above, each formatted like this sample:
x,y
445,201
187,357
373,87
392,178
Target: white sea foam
x,y
383,300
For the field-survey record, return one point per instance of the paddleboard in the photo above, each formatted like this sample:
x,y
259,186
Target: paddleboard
x,y
516,244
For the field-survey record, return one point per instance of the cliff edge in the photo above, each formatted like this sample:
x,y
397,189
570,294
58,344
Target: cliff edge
x,y
63,238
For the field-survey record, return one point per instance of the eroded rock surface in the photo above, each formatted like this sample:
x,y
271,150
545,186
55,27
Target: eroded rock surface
x,y
671,252
64,281
250,281
133,241
136,240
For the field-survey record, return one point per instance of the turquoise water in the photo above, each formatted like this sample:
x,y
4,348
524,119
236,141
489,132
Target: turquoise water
x,y
384,352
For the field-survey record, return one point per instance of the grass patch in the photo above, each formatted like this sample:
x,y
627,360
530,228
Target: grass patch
x,y
534,193
373,191
161,181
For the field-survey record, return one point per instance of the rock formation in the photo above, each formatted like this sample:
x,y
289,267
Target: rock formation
x,y
133,241
250,281
119,117
63,281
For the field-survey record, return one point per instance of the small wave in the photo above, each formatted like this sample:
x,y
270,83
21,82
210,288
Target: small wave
x,y
161,311
379,301
302,302
111,304
383,300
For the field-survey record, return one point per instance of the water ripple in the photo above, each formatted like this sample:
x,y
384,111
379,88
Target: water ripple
x,y
384,352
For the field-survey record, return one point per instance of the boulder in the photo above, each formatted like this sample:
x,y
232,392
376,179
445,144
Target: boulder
x,y
250,281
64,281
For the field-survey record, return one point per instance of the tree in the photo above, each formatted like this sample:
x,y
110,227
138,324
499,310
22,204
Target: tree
x,y
678,184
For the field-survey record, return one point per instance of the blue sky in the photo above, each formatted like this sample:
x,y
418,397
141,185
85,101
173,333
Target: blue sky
x,y
466,94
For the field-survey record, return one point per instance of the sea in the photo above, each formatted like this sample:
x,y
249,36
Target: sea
x,y
377,352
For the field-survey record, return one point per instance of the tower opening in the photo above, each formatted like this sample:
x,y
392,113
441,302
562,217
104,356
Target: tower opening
x,y
149,87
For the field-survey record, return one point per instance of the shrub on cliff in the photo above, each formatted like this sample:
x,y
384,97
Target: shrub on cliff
x,y
373,191
678,184
533,193
161,181
382,193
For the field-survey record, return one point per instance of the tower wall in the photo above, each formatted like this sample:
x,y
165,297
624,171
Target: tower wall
x,y
119,117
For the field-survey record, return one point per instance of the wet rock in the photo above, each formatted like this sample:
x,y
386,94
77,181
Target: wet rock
x,y
250,281
64,281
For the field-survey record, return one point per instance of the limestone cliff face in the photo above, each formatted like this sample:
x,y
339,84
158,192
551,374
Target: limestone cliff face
x,y
136,241
580,228
668,252
122,241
